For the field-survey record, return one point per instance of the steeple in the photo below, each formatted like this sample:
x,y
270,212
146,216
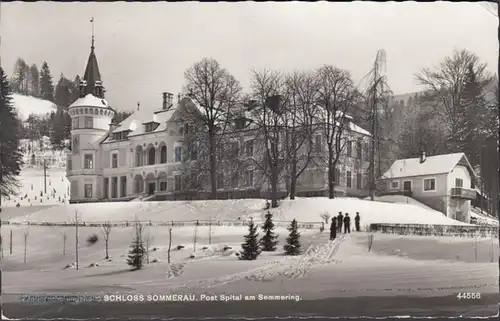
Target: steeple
x,y
92,83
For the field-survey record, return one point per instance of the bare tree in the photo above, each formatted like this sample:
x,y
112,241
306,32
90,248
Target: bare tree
x,y
169,244
215,91
446,83
106,231
270,96
77,243
148,240
302,90
26,234
336,95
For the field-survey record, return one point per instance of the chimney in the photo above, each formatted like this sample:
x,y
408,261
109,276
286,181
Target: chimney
x,y
167,100
422,157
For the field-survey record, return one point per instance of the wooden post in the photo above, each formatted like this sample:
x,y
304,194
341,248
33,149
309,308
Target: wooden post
x,y
210,232
76,243
169,244
25,245
10,246
64,243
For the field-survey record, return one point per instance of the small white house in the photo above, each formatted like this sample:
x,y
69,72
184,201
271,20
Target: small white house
x,y
442,182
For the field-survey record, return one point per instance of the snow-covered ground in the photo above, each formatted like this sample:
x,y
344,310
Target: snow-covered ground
x,y
27,105
482,218
32,184
301,209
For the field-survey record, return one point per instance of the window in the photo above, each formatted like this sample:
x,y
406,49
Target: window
x,y
75,124
235,180
240,123
138,157
163,154
249,148
163,186
349,179
151,127
430,184
349,149
358,150
178,154
114,187
407,186
220,180
123,189
88,161
395,185
106,187
114,160
367,152
89,122
186,129
177,182
337,177
249,177
459,182
194,153
317,144
359,183
88,190
151,156
234,149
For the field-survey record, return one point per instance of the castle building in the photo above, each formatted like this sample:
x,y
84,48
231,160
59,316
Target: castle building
x,y
146,155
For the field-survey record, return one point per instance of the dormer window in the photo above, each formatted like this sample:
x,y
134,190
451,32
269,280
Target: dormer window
x,y
151,126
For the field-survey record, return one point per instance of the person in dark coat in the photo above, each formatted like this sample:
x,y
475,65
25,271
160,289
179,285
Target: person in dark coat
x,y
333,229
356,221
340,220
347,224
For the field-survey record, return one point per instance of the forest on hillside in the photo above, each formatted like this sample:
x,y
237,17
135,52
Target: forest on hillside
x,y
29,80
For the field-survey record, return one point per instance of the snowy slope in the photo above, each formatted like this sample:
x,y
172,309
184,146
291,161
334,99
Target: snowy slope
x,y
302,209
33,177
26,105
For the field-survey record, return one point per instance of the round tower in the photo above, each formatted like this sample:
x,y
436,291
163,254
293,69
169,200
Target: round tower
x,y
91,118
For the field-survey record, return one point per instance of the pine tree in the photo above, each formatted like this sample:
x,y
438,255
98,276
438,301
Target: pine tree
x,y
46,85
251,248
292,246
10,152
137,251
270,240
35,81
75,89
63,93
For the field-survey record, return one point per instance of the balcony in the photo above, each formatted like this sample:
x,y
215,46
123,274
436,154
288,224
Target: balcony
x,y
463,193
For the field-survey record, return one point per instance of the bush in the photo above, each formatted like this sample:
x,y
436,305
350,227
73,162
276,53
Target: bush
x,y
92,239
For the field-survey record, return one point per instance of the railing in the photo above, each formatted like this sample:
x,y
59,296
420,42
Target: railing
x,y
460,192
436,230
302,225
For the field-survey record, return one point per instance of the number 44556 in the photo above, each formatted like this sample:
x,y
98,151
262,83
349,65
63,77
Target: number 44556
x,y
469,296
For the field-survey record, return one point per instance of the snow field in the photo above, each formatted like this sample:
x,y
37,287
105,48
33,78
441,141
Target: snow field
x,y
27,105
56,179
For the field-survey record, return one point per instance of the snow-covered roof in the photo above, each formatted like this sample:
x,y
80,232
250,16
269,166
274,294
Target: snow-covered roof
x,y
433,165
90,101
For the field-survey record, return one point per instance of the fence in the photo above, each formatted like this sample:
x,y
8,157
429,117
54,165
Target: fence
x,y
301,225
436,230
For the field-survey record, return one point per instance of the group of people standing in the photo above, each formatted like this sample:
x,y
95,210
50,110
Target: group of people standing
x,y
345,221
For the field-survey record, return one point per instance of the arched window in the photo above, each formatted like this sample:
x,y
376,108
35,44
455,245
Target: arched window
x,y
138,156
163,154
151,156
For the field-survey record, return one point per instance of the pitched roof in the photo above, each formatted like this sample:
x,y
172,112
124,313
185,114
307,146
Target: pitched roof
x,y
438,164
92,74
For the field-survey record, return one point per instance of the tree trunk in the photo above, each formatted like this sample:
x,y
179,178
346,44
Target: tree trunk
x,y
331,176
293,180
107,254
274,187
213,166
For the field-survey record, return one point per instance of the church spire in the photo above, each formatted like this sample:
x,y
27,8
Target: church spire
x,y
92,83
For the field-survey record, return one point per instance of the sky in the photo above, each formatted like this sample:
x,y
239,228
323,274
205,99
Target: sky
x,y
143,49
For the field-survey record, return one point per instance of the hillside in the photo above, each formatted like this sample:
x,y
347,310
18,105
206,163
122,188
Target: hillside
x,y
26,105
